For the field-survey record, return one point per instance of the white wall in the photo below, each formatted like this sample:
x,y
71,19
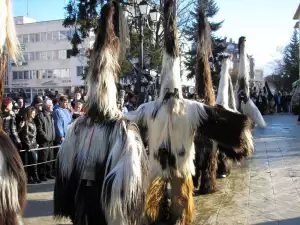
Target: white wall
x,y
52,45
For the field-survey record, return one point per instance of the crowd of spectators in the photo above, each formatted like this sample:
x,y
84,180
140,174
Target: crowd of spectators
x,y
44,124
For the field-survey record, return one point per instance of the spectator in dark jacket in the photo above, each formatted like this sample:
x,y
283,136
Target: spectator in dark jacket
x,y
28,136
9,122
45,138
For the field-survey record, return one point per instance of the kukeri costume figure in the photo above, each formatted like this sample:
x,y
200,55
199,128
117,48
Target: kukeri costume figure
x,y
270,98
101,166
171,122
12,176
205,149
244,104
226,98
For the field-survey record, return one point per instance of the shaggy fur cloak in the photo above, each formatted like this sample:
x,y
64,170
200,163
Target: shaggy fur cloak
x,y
171,122
102,167
12,175
205,149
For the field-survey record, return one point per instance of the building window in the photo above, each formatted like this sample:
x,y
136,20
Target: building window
x,y
43,74
37,37
20,75
55,35
33,74
80,71
63,35
15,75
55,54
43,36
37,56
62,54
26,75
31,56
49,55
56,74
25,38
32,38
49,74
38,75
49,36
65,73
43,55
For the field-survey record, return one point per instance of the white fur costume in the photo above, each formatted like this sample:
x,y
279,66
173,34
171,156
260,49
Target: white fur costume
x,y
102,167
246,106
171,122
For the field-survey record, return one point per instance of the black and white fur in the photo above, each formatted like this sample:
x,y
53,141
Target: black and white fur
x,y
12,183
102,164
171,121
244,103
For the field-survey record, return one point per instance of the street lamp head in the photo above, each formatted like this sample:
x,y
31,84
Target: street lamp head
x,y
154,15
144,7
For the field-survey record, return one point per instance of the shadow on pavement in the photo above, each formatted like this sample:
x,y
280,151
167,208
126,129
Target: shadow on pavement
x,y
293,221
38,208
42,187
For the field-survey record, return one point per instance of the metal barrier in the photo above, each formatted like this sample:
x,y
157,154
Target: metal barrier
x,y
39,149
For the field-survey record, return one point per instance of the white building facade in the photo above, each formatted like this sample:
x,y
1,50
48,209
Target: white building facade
x,y
46,64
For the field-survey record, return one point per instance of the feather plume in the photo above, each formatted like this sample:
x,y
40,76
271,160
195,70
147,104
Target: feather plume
x,y
223,90
245,105
231,100
8,34
270,94
203,86
170,74
102,90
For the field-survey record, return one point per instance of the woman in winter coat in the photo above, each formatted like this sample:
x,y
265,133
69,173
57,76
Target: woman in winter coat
x,y
29,142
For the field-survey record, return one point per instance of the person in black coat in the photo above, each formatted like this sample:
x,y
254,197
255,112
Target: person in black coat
x,y
28,138
45,138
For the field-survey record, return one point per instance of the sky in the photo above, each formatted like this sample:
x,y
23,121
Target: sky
x,y
267,24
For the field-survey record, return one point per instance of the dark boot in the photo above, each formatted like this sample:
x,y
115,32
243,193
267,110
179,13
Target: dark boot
x,y
35,175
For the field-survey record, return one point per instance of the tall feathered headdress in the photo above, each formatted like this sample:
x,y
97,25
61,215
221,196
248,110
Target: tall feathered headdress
x,y
170,74
244,103
203,86
225,95
8,35
270,94
104,68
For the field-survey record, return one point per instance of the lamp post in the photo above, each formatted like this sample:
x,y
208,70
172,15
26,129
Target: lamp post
x,y
144,12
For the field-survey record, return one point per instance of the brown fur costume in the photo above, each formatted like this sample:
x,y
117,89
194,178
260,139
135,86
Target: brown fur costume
x,y
12,183
206,151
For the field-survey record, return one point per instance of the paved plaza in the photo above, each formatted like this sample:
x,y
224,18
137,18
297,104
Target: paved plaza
x,y
263,190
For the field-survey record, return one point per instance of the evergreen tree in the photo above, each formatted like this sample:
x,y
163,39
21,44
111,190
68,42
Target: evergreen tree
x,y
291,60
83,16
211,9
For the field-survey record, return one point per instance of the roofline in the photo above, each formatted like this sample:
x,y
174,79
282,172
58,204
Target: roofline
x,y
47,21
297,13
297,25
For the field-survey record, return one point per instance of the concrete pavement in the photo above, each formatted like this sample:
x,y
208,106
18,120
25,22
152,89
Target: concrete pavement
x,y
263,190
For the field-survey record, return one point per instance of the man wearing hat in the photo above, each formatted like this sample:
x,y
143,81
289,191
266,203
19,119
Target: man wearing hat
x,y
9,122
